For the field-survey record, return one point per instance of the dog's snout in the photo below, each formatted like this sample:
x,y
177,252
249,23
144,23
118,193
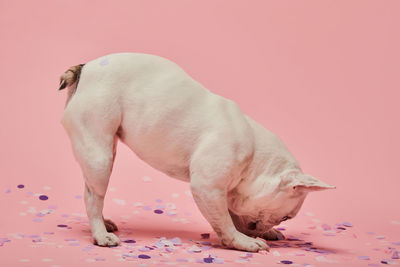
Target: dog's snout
x,y
252,226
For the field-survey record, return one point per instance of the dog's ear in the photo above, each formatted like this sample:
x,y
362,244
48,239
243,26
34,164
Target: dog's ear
x,y
305,182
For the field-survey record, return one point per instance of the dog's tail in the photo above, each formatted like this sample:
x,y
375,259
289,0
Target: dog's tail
x,y
70,79
71,76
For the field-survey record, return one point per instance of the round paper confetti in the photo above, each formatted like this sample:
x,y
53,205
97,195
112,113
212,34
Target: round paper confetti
x,y
158,211
43,197
144,256
129,241
208,260
21,186
286,262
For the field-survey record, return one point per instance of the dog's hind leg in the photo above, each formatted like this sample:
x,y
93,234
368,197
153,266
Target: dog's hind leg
x,y
93,136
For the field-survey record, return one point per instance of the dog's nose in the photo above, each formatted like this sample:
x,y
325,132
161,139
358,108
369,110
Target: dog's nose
x,y
252,226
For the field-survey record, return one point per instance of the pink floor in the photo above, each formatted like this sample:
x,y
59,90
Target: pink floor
x,y
322,75
54,231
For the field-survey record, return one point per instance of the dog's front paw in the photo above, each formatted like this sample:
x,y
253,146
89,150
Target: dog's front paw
x,y
110,225
106,240
273,234
243,242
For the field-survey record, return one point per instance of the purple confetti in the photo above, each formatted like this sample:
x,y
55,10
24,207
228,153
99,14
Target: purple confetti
x,y
396,243
129,241
347,224
286,262
62,225
43,197
384,262
158,211
144,256
146,208
363,257
20,186
208,260
104,62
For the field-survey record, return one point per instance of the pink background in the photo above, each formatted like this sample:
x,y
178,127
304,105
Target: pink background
x,y
322,75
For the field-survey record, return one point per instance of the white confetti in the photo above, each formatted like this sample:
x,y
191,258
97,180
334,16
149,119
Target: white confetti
x,y
324,259
170,206
276,253
146,179
120,202
138,204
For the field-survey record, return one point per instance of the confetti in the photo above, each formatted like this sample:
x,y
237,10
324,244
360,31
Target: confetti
x,y
21,186
104,62
43,197
130,241
158,211
208,260
120,202
347,224
286,262
144,256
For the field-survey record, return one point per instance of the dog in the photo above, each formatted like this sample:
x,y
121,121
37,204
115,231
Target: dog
x,y
242,177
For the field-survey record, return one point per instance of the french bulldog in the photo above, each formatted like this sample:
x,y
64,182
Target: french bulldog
x,y
242,177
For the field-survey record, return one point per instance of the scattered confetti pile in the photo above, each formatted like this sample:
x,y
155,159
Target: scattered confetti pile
x,y
42,231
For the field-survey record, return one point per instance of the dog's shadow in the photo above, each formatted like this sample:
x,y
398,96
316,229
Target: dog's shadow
x,y
209,238
197,236
306,245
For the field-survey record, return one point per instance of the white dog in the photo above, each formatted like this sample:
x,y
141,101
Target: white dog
x,y
243,178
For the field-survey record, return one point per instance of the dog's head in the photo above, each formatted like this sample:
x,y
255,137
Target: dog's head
x,y
268,201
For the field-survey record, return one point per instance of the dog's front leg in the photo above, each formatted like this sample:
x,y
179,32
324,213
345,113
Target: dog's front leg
x,y
209,180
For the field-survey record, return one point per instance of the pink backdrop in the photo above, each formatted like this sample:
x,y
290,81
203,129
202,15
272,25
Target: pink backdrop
x,y
322,75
